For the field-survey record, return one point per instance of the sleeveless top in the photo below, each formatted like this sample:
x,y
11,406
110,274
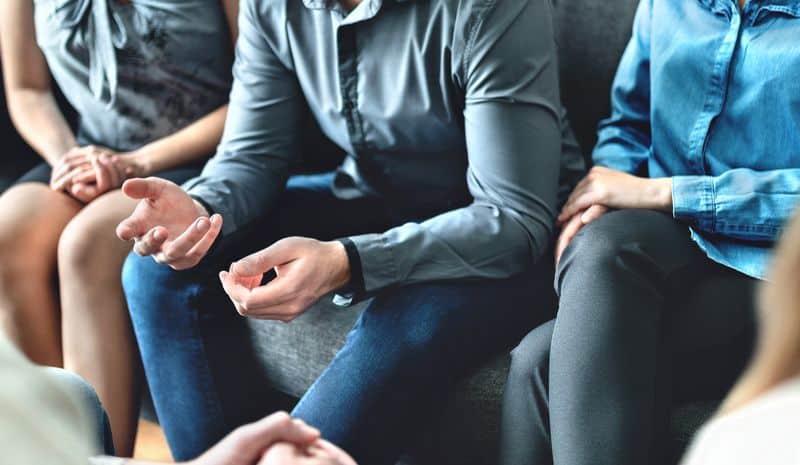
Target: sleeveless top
x,y
139,71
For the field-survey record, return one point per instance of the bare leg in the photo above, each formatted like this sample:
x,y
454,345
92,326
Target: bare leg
x,y
32,217
98,340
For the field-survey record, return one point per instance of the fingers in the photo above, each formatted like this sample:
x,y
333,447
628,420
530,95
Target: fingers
x,y
150,243
65,179
278,427
145,188
75,161
579,200
69,162
339,456
570,230
104,176
130,228
271,301
260,262
191,246
592,213
204,244
84,176
284,453
84,192
119,168
113,171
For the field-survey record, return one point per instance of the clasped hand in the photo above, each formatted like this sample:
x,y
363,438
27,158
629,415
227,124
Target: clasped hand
x,y
175,230
603,189
275,440
88,172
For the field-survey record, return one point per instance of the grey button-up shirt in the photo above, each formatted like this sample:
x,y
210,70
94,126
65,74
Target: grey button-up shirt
x,y
434,101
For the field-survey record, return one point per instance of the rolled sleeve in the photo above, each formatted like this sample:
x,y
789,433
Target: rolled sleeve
x,y
693,200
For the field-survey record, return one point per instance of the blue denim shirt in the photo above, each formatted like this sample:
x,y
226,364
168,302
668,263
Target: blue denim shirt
x,y
710,96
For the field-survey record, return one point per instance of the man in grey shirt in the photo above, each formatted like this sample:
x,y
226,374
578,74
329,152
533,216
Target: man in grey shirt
x,y
442,211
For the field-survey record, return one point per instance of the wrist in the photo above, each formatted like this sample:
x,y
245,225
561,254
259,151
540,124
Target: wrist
x,y
661,194
141,162
201,209
342,275
55,156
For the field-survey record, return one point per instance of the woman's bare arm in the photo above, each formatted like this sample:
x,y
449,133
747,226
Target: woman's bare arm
x,y
196,140
27,82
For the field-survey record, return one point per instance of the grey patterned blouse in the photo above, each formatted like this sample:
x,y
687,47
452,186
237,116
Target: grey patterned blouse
x,y
138,71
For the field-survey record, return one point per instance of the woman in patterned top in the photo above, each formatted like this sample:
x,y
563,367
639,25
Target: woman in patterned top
x,y
149,80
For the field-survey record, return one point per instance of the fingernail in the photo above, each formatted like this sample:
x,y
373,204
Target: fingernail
x,y
158,235
202,224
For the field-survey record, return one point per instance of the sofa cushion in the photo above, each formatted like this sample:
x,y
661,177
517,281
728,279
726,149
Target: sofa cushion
x,y
591,36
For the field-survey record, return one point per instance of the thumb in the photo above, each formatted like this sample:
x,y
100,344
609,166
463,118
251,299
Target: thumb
x,y
258,263
129,229
147,188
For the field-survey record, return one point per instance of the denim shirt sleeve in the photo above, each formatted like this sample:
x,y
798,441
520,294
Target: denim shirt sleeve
x,y
251,166
513,136
741,203
624,138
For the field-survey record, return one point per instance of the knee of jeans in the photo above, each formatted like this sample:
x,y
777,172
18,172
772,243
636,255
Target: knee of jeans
x,y
407,320
531,357
148,285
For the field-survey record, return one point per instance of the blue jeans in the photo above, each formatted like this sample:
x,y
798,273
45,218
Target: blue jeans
x,y
402,356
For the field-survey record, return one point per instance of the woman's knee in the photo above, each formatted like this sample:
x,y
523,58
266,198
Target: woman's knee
x,y
613,239
88,247
33,218
531,358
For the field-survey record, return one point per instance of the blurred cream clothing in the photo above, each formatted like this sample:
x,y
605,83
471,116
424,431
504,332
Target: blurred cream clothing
x,y
764,432
40,423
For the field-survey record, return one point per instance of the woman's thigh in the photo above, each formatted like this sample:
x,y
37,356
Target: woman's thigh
x,y
32,218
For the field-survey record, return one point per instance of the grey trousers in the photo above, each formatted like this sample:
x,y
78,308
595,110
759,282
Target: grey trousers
x,y
645,321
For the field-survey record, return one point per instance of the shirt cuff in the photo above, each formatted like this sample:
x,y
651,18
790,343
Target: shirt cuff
x,y
693,200
212,201
353,292
374,268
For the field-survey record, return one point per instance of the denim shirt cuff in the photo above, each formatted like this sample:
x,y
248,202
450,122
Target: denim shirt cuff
x,y
693,200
